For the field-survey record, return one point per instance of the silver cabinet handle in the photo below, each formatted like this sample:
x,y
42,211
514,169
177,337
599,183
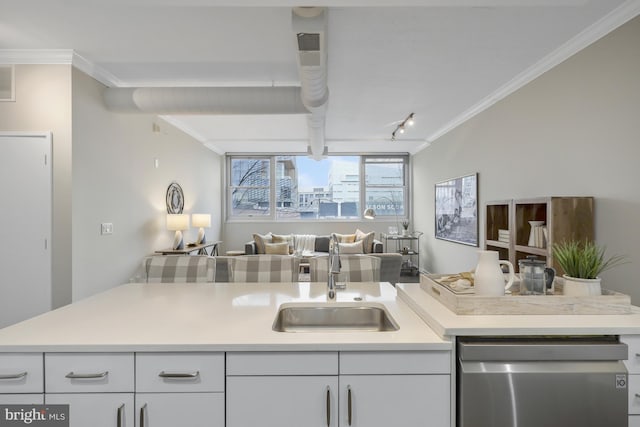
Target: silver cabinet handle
x,y
120,422
349,404
143,415
328,406
187,375
73,375
13,376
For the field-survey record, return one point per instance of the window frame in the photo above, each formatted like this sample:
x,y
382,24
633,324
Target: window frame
x,y
273,217
405,187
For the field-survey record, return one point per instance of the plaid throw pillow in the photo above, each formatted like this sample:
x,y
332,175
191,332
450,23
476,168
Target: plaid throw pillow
x,y
180,269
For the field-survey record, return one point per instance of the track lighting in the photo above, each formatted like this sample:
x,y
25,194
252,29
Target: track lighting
x,y
402,126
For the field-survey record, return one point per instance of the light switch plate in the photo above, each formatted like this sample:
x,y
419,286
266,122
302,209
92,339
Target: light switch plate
x,y
106,228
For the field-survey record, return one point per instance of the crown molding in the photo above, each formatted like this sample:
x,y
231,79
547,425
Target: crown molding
x,y
36,56
593,33
95,71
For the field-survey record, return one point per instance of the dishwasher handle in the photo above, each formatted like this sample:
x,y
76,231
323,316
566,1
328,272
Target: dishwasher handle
x,y
540,351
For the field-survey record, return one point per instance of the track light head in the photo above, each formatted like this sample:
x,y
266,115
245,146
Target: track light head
x,y
402,126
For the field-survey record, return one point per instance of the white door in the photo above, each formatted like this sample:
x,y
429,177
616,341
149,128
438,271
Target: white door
x,y
282,401
25,226
96,409
395,400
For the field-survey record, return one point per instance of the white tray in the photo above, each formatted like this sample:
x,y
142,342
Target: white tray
x,y
610,302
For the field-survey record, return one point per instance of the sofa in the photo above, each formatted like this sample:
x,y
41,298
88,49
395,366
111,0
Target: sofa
x,y
389,266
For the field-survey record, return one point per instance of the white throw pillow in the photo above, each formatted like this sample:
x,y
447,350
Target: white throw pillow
x,y
350,248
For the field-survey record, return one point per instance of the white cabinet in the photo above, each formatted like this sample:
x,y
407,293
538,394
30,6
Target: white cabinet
x,y
394,400
21,373
98,387
180,409
88,372
175,389
395,388
282,401
369,389
96,409
276,389
633,367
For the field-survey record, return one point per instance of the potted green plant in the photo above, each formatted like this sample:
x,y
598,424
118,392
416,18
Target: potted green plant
x,y
582,262
405,227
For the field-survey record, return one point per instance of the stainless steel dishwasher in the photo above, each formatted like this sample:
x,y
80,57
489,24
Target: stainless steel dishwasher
x,y
541,382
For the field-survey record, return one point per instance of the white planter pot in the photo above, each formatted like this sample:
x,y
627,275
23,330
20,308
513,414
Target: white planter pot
x,y
581,287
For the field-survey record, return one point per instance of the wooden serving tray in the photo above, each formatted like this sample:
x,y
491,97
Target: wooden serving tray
x,y
610,302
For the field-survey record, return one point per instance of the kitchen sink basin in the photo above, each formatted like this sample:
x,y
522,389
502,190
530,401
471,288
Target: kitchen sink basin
x,y
333,318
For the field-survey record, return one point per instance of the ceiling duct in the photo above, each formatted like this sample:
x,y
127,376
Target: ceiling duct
x,y
206,100
310,26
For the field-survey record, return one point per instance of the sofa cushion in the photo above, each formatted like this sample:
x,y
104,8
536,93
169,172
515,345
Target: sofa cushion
x,y
179,268
322,243
286,238
351,248
346,238
276,248
263,268
367,240
261,240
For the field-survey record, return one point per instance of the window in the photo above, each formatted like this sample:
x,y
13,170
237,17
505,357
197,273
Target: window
x,y
304,189
249,187
385,188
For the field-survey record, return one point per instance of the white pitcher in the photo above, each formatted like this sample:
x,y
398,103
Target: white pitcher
x,y
488,278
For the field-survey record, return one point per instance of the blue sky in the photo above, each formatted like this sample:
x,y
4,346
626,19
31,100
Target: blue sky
x,y
313,173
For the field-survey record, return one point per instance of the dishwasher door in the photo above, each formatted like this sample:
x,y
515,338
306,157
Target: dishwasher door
x,y
542,383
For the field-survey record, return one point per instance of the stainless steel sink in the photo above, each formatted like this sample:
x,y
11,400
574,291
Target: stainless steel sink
x,y
333,318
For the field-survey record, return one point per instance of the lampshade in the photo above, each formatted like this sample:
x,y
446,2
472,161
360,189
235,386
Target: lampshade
x,y
177,222
369,213
201,220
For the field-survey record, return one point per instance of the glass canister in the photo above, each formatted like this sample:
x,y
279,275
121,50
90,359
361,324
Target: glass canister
x,y
535,276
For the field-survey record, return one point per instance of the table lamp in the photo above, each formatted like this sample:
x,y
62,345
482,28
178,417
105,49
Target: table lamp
x,y
201,220
177,223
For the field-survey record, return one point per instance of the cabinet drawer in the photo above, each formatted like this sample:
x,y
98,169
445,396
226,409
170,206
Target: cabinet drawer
x,y
395,362
21,399
88,372
21,373
634,394
282,363
634,421
179,372
633,362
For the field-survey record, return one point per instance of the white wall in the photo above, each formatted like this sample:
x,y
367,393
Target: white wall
x,y
115,180
573,131
43,103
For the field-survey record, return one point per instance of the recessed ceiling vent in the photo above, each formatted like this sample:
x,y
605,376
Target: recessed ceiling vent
x,y
309,49
308,42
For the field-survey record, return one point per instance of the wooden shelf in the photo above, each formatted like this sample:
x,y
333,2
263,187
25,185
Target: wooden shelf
x,y
497,244
566,218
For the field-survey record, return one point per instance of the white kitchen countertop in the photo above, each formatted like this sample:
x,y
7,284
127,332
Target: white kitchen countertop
x,y
210,317
447,324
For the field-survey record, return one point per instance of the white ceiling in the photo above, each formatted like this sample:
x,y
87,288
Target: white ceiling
x,y
445,60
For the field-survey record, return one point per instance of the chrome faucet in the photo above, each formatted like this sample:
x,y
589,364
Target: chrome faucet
x,y
334,266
